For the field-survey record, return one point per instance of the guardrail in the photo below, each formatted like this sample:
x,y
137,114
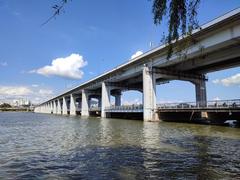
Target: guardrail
x,y
125,108
235,103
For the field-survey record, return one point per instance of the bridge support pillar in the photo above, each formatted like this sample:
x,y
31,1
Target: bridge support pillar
x,y
85,103
201,93
149,95
59,109
118,98
45,108
51,107
99,101
54,107
105,98
64,106
72,105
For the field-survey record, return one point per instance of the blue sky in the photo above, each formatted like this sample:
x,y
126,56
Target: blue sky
x,y
102,35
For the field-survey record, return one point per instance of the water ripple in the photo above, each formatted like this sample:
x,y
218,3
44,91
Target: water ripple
x,y
36,146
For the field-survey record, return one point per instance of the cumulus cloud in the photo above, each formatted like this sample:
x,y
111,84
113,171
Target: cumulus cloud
x,y
45,92
34,94
68,67
15,91
216,99
131,102
138,53
232,80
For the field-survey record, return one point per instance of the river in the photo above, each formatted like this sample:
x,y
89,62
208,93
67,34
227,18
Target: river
x,y
40,146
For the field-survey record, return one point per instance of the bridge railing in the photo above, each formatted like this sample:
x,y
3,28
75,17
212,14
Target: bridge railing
x,y
235,103
125,108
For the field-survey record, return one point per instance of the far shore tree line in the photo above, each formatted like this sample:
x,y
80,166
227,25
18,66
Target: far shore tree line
x,y
5,105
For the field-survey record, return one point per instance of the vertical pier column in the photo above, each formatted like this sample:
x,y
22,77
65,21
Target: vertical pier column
x,y
118,98
99,101
73,108
45,108
149,95
85,103
59,109
49,108
105,98
54,107
64,106
201,93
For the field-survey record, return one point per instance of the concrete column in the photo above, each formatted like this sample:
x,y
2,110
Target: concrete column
x,y
99,102
118,100
54,107
64,106
59,109
105,98
201,93
85,103
72,105
44,108
149,95
51,107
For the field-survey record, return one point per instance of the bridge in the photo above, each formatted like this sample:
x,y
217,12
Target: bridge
x,y
212,47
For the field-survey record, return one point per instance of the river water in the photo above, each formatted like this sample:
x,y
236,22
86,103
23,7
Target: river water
x,y
39,146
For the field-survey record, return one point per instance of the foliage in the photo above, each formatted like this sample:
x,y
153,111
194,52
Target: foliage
x,y
57,9
181,17
5,105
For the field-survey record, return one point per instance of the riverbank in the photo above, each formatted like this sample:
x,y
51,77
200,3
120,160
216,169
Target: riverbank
x,y
16,110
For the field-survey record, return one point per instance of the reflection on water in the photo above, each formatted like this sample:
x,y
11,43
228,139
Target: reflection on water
x,y
37,146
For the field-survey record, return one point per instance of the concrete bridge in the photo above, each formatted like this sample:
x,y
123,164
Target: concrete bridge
x,y
214,46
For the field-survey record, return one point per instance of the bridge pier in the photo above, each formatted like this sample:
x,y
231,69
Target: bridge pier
x,y
201,93
117,96
72,105
59,109
54,107
51,105
99,101
149,95
64,106
85,103
106,93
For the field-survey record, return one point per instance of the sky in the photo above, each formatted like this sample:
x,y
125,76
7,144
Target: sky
x,y
87,39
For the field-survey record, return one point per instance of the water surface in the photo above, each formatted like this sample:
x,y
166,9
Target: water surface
x,y
39,146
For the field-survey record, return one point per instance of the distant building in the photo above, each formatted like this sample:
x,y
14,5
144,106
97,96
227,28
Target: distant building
x,y
21,102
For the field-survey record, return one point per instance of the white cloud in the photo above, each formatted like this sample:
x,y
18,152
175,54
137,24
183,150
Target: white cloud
x,y
14,91
3,63
138,53
131,102
35,95
232,80
45,92
216,99
68,67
